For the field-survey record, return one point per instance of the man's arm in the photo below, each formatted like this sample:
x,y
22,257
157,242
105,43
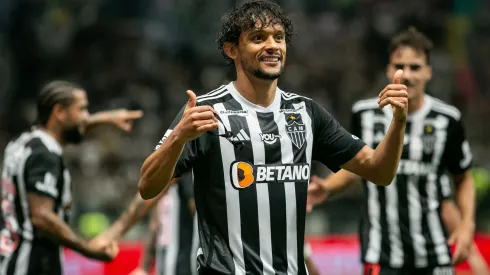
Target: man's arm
x,y
465,197
159,168
137,209
48,223
121,118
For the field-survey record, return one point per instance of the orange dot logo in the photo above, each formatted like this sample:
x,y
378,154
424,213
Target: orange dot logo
x,y
242,175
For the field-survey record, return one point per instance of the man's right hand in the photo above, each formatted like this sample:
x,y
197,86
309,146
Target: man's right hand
x,y
195,120
317,193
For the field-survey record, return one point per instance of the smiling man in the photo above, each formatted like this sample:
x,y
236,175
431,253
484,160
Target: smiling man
x,y
250,146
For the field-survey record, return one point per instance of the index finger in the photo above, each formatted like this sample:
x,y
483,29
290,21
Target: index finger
x,y
135,114
204,108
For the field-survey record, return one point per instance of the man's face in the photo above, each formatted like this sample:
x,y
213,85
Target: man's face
x,y
416,71
262,51
76,118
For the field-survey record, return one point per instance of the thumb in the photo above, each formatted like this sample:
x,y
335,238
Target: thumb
x,y
397,77
192,99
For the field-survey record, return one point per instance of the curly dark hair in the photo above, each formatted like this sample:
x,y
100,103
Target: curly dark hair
x,y
414,39
244,18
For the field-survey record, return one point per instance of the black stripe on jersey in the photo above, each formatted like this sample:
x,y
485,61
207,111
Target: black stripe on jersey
x,y
301,190
277,194
247,196
403,211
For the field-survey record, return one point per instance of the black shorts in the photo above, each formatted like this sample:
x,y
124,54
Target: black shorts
x,y
376,269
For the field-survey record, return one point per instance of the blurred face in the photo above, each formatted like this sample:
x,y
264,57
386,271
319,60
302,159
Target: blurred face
x,y
75,118
261,52
416,71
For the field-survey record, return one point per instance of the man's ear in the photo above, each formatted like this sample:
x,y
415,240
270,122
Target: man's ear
x,y
59,112
230,50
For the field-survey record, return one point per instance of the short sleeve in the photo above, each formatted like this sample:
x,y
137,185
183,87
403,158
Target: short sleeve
x,y
445,187
188,154
41,173
457,154
355,124
332,144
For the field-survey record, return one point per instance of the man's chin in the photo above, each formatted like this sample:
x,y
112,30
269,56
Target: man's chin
x,y
268,75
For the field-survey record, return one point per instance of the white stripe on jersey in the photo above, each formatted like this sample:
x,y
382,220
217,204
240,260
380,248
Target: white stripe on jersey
x,y
263,204
287,156
441,107
414,204
173,246
195,245
374,212
22,263
232,198
440,126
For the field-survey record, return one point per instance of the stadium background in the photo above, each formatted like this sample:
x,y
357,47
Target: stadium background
x,y
144,54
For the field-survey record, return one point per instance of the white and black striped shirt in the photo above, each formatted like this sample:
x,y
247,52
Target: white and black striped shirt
x,y
250,187
32,164
401,224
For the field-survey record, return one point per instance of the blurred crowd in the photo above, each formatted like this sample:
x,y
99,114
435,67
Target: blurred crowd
x,y
144,54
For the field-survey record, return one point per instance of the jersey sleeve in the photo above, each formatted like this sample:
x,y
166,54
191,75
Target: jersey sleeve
x,y
445,188
189,153
355,124
41,173
332,145
457,154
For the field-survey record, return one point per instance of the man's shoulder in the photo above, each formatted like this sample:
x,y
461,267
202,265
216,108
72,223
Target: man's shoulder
x,y
365,105
442,108
219,95
292,96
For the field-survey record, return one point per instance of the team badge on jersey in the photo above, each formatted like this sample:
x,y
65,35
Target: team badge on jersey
x,y
295,128
429,139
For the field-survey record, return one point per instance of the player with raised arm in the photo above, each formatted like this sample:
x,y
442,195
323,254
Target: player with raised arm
x,y
402,229
250,146
36,184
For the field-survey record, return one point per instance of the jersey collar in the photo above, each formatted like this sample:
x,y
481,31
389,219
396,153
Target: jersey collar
x,y
51,143
249,105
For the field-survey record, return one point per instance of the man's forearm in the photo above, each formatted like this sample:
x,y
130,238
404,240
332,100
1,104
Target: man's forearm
x,y
137,209
465,196
335,183
49,224
387,154
158,168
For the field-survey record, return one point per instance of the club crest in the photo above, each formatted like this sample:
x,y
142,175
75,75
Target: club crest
x,y
295,129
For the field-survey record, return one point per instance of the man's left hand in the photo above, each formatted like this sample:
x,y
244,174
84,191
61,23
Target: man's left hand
x,y
462,237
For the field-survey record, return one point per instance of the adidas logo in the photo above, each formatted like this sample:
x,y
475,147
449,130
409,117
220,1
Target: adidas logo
x,y
241,136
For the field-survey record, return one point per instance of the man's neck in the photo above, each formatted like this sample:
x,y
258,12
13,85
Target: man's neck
x,y
53,132
415,104
257,91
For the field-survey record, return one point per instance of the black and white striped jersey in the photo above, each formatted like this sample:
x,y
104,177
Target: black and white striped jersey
x,y
250,183
401,223
32,164
181,231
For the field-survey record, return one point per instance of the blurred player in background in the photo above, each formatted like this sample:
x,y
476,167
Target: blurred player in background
x,y
36,184
250,147
402,230
173,241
